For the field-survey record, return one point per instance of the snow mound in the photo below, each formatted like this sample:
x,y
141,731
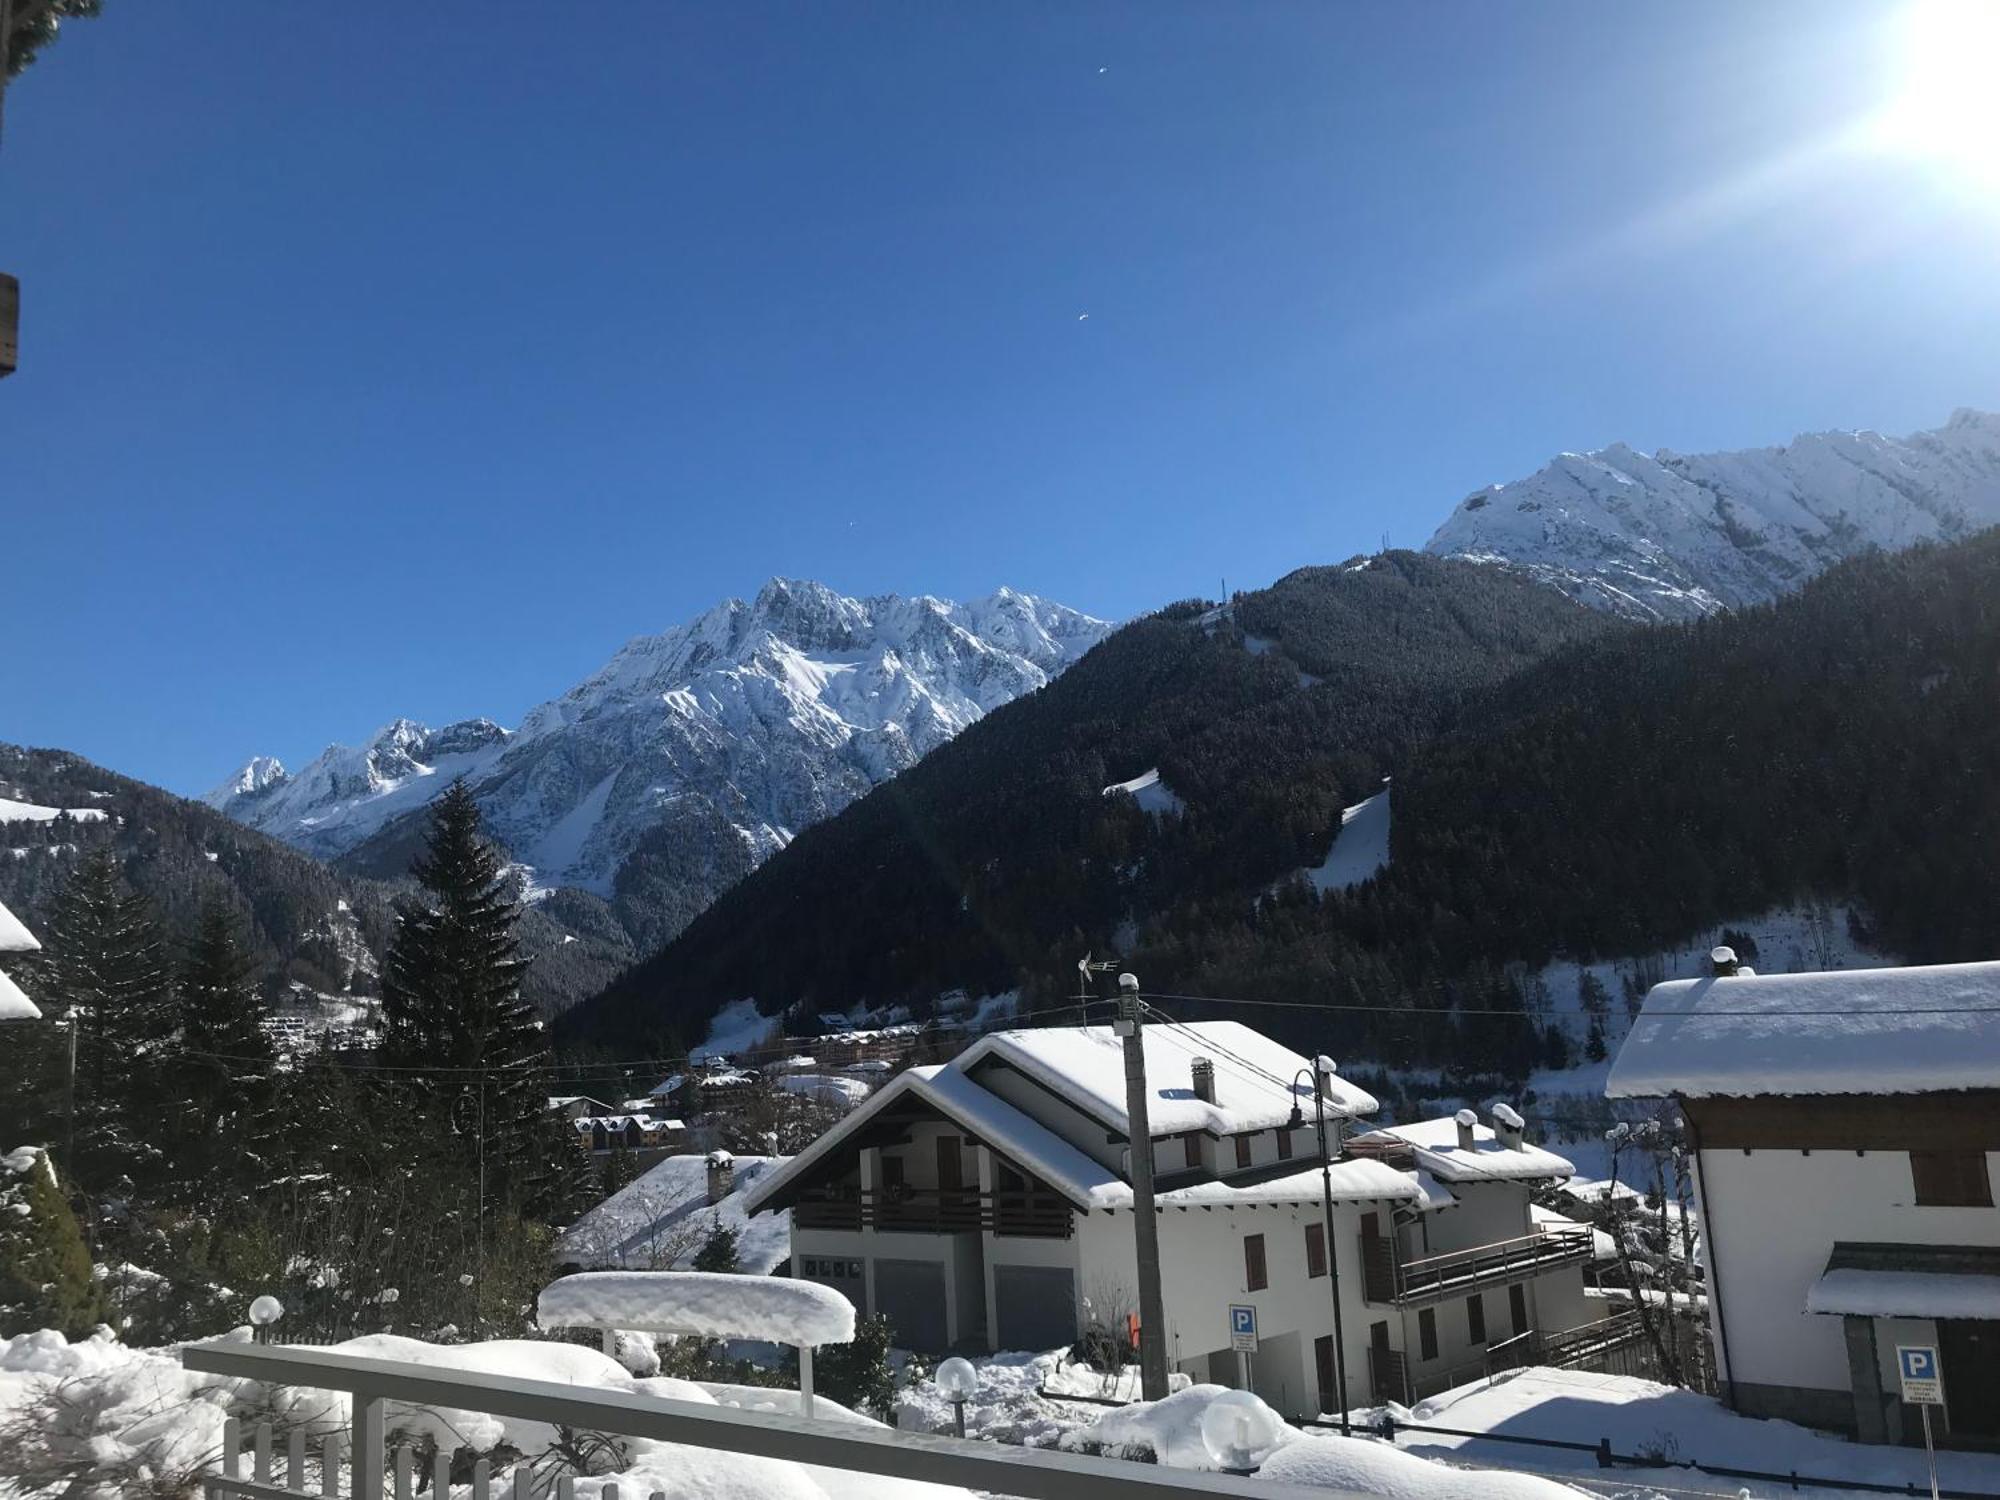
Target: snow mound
x,y
1369,1466
707,1304
1171,1430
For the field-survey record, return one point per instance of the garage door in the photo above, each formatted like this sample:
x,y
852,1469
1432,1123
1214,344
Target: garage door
x,y
910,1294
1035,1307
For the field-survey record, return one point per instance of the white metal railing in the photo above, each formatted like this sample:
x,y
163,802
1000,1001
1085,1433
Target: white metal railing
x,y
992,1468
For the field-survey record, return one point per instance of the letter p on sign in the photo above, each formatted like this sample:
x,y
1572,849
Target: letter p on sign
x,y
1923,1382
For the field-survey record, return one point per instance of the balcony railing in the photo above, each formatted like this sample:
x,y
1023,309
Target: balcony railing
x,y
1385,1278
383,1391
1025,1213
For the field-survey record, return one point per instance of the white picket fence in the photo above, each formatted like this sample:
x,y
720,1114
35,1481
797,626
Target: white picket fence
x,y
363,1468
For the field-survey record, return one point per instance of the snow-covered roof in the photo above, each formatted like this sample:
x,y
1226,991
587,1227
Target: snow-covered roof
x,y
1026,1141
1857,1031
706,1304
1256,1079
620,1121
1440,1154
14,934
1080,1178
14,1005
1858,1291
1359,1180
660,1220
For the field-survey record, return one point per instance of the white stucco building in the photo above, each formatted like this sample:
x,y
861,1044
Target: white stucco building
x,y
987,1204
1845,1129
15,938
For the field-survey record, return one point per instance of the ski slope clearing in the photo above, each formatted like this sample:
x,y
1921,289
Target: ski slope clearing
x,y
31,812
1152,794
1360,850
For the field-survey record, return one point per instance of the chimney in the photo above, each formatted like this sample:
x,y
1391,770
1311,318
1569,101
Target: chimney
x,y
1204,1080
1722,962
721,1176
1465,1119
1508,1126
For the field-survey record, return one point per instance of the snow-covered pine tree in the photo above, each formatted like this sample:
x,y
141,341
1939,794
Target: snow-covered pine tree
x,y
45,1273
451,997
718,1251
104,963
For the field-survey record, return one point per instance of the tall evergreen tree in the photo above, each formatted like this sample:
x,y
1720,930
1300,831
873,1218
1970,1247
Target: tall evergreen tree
x,y
105,968
451,995
219,1062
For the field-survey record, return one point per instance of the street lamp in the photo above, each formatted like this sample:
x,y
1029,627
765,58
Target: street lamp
x,y
1322,1075
959,1381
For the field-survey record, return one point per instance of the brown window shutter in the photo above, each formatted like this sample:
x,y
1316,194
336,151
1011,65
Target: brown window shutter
x,y
1315,1250
1255,1276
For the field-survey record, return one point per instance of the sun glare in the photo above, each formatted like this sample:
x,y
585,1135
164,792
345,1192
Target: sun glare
x,y
1946,107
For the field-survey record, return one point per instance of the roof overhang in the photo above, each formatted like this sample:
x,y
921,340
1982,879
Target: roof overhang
x,y
1948,1282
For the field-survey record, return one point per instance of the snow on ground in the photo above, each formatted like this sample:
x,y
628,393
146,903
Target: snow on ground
x,y
32,812
736,1029
1360,850
1173,1431
1009,1406
826,1088
161,1421
1152,794
1639,1416
661,1221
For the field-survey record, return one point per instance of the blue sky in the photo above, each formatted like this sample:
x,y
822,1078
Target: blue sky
x,y
372,369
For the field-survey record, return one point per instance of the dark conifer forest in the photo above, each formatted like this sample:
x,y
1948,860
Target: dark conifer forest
x,y
1562,786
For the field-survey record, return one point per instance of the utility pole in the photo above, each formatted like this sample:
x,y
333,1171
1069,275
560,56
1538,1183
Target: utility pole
x,y
1145,1225
1322,1081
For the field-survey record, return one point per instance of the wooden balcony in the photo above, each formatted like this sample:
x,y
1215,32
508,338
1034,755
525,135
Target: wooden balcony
x,y
1026,1214
1386,1279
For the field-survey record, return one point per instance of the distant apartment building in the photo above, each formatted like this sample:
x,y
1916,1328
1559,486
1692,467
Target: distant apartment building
x,y
987,1204
1845,1129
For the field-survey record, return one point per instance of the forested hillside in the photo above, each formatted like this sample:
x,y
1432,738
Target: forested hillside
x,y
997,860
1629,791
300,920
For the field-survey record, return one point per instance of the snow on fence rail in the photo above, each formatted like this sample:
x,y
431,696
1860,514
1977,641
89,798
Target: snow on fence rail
x,y
1031,1473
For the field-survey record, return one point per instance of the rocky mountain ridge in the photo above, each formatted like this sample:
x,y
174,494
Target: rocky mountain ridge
x,y
1671,536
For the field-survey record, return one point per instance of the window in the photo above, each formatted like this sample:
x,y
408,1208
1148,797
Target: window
x,y
1284,1145
1323,1369
892,1172
1951,1179
1242,1151
1255,1278
1427,1334
1191,1144
1517,1305
1475,1318
1315,1250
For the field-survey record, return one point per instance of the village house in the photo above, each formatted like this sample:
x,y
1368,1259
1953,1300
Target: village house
x,y
704,1092
15,938
986,1204
1843,1129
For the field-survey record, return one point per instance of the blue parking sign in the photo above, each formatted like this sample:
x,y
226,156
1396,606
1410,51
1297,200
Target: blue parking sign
x,y
1243,1328
1923,1382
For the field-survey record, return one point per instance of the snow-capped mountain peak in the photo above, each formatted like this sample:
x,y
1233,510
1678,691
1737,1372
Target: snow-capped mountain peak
x,y
1671,535
774,713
